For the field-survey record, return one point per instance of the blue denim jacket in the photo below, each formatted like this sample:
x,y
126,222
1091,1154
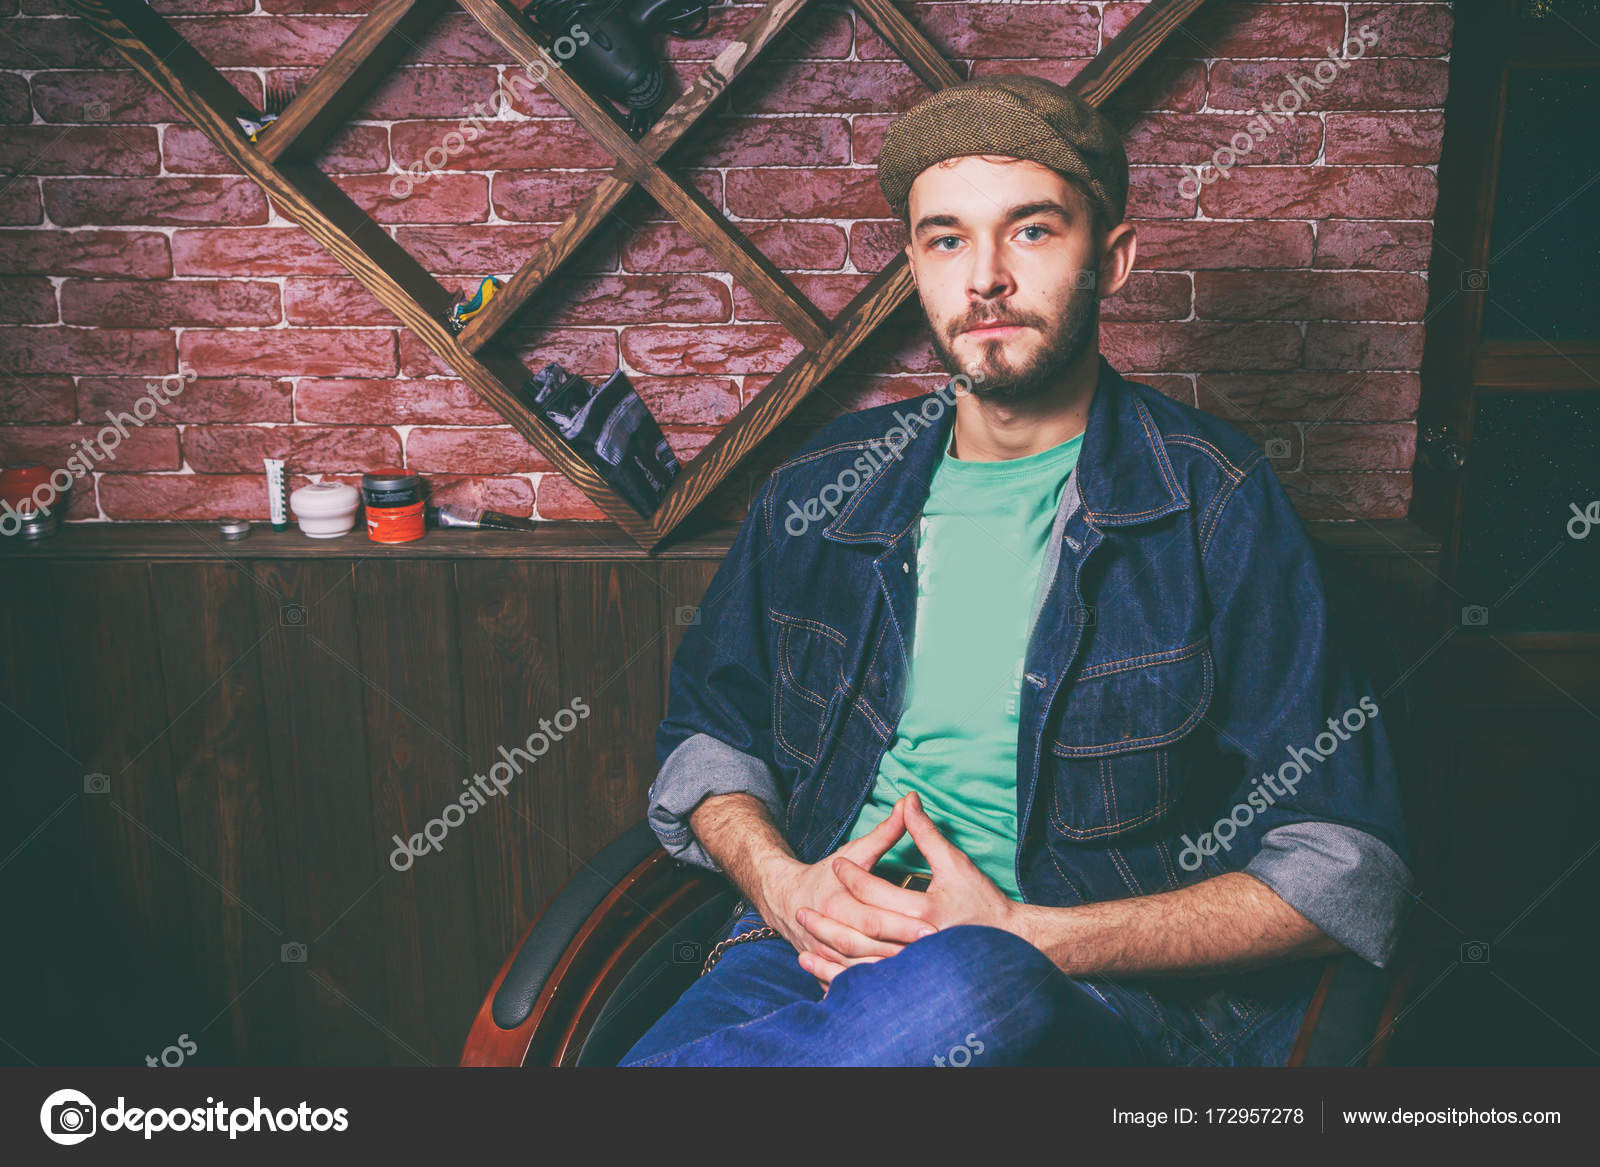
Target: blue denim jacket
x,y
1185,711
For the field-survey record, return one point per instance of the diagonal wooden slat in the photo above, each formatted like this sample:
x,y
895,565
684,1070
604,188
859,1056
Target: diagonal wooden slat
x,y
402,285
769,285
924,60
1114,64
879,299
327,214
713,81
325,102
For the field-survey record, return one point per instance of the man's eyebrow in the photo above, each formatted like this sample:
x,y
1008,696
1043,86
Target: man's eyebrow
x,y
1020,211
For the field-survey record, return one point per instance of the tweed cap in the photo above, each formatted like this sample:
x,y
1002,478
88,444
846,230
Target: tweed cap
x,y
1011,114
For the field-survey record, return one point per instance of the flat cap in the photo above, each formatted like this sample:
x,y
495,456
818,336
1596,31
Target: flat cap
x,y
1011,114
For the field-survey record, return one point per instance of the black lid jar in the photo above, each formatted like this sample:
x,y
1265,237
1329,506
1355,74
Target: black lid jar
x,y
394,504
391,487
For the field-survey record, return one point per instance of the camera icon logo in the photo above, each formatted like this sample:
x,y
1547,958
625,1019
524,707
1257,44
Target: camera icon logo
x,y
1474,279
1475,952
68,1117
292,615
1277,449
292,953
688,614
1475,616
97,783
687,952
1082,615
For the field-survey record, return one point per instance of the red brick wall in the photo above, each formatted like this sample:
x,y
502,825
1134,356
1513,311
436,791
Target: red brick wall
x,y
1287,297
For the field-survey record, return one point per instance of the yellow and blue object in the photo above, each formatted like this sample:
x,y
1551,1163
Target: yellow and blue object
x,y
465,310
253,126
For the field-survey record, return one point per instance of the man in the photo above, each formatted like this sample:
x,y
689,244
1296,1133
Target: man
x,y
1013,711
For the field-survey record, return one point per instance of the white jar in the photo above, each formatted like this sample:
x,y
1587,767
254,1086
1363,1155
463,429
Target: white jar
x,y
325,510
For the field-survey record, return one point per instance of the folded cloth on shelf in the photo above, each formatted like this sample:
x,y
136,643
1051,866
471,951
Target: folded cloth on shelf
x,y
611,429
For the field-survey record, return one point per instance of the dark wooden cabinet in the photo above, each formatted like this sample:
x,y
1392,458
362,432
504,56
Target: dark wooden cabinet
x,y
210,746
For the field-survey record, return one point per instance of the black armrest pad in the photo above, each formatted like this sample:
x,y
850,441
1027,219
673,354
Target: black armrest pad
x,y
563,919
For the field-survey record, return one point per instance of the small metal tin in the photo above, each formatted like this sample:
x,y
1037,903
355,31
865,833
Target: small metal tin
x,y
233,529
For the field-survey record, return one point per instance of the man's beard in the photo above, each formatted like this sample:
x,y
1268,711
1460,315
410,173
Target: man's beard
x,y
1074,330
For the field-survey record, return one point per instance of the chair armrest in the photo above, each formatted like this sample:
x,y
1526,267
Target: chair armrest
x,y
551,986
541,948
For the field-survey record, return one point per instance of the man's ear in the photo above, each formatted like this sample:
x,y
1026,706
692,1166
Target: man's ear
x,y
1116,259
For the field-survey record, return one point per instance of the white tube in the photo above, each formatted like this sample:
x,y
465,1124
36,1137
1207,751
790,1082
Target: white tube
x,y
277,494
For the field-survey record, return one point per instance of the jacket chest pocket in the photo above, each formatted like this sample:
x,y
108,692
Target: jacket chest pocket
x,y
809,661
1115,752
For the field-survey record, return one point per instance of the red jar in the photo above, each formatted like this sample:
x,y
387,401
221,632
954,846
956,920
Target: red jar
x,y
18,485
393,499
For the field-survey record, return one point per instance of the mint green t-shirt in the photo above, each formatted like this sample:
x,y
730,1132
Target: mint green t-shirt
x,y
982,543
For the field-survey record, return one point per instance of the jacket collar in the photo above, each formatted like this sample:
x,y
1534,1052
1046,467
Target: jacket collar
x,y
1124,474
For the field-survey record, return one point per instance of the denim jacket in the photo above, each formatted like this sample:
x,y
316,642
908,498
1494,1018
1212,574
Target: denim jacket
x,y
1184,711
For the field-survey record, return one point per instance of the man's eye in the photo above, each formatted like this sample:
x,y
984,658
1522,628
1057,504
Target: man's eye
x,y
941,239
1036,227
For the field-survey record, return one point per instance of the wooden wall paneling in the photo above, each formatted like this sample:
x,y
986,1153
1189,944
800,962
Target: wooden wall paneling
x,y
417,756
117,719
49,918
683,585
218,745
318,796
509,667
612,638
300,764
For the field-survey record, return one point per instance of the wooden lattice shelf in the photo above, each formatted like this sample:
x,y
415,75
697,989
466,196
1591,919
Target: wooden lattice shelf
x,y
280,161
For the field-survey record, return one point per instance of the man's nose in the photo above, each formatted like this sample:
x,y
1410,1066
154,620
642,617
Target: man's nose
x,y
989,277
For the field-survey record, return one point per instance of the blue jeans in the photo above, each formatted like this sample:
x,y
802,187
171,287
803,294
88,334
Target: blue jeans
x,y
967,995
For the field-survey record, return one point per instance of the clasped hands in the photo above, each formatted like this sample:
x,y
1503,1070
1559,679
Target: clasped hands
x,y
836,913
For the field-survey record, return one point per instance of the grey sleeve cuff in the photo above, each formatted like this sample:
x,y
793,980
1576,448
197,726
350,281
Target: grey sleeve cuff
x,y
698,767
1345,881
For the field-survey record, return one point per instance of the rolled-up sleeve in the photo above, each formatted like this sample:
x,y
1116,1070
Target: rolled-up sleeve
x,y
698,768
1316,815
717,735
1346,882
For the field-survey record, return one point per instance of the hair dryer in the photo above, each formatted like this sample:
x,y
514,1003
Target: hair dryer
x,y
619,58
